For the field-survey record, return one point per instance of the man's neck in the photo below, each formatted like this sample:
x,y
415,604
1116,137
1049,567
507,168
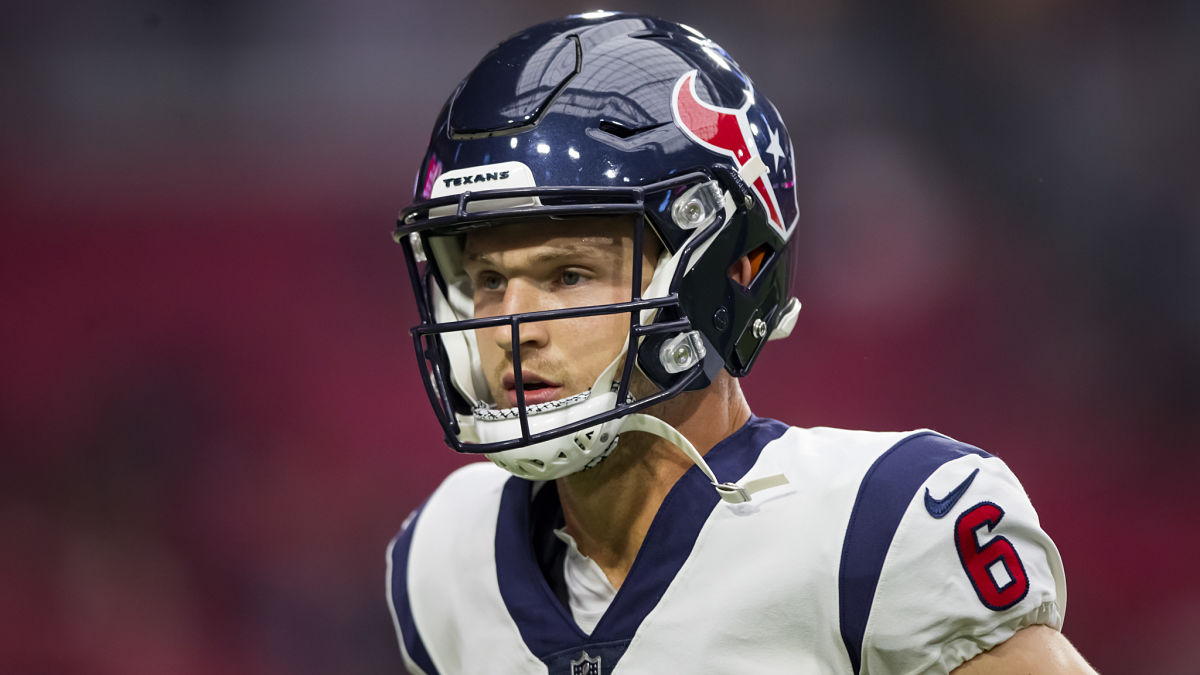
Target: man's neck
x,y
608,509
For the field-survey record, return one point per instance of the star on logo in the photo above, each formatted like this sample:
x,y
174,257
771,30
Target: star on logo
x,y
775,149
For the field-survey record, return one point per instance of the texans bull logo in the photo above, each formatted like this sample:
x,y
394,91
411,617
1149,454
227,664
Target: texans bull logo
x,y
727,131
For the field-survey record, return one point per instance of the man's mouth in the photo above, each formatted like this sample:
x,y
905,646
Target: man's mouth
x,y
537,389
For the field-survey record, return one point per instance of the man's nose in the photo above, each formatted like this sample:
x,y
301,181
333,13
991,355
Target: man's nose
x,y
521,297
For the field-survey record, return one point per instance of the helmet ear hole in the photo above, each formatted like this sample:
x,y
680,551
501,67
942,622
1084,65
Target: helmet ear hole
x,y
741,272
745,270
757,257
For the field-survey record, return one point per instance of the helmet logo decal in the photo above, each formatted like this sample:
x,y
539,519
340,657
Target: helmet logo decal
x,y
726,131
431,175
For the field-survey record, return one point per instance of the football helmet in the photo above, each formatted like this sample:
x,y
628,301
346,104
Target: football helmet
x,y
603,113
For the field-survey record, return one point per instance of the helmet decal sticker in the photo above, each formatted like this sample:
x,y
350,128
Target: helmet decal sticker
x,y
431,176
500,176
727,131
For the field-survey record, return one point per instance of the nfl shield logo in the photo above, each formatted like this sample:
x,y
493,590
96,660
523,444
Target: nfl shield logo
x,y
586,665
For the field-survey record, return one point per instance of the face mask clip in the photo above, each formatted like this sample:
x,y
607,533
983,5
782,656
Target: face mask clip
x,y
682,352
698,206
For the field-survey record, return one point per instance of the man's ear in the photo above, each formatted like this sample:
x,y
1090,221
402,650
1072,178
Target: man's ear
x,y
742,271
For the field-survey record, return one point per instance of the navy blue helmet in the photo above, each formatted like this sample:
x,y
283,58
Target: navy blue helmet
x,y
603,113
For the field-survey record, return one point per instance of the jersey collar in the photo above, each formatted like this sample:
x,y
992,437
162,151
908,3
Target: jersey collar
x,y
546,625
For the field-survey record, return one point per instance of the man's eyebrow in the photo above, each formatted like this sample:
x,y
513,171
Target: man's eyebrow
x,y
547,254
479,257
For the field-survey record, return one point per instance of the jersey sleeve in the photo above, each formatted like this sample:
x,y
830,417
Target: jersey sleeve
x,y
968,565
412,647
441,578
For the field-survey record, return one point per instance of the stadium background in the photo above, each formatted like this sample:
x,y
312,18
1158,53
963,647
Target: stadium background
x,y
211,424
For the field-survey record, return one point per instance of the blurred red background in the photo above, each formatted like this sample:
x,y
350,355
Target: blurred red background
x,y
209,409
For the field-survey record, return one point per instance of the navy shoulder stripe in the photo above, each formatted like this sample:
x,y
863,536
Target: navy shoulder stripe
x,y
398,596
884,495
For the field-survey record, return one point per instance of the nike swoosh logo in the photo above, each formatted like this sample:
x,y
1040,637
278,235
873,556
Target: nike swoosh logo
x,y
938,508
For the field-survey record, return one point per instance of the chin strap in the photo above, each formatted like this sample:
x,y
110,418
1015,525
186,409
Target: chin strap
x,y
733,493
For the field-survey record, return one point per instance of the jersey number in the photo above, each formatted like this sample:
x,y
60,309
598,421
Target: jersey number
x,y
994,568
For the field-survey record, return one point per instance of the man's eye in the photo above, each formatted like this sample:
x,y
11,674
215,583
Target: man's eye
x,y
570,278
491,282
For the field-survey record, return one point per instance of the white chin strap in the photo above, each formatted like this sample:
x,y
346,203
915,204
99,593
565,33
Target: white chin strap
x,y
732,493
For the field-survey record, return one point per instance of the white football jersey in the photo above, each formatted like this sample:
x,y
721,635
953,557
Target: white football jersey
x,y
884,553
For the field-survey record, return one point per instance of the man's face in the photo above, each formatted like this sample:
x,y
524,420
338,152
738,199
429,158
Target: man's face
x,y
546,264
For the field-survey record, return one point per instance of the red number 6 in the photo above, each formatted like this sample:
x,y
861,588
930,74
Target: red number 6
x,y
995,569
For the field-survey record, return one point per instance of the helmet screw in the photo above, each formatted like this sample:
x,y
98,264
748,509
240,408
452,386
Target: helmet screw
x,y
603,438
760,328
721,318
682,355
698,206
749,203
681,352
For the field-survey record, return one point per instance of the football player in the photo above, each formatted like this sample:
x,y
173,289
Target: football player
x,y
599,248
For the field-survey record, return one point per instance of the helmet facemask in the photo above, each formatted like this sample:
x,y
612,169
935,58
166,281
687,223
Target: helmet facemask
x,y
544,440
